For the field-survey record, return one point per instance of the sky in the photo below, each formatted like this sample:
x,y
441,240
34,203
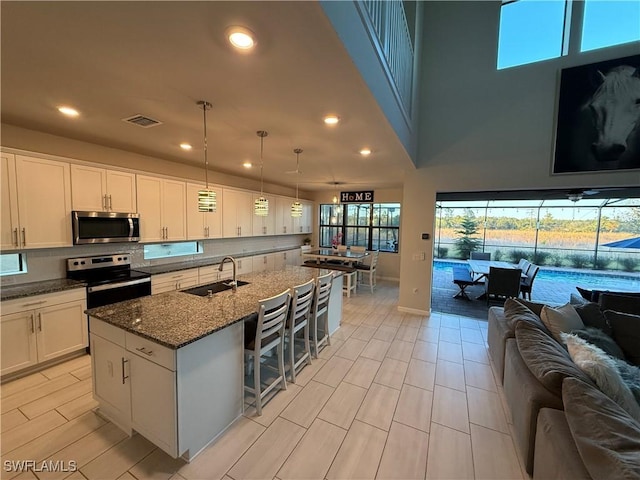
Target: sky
x,y
532,30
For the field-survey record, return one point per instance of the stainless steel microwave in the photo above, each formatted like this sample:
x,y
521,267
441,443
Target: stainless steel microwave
x,y
105,227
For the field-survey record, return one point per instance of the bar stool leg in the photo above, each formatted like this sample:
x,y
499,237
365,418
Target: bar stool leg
x,y
281,363
256,383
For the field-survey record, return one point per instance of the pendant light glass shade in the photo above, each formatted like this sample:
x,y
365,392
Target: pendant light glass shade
x,y
207,201
261,205
296,207
336,202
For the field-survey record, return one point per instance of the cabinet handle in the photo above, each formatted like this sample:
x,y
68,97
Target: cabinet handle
x,y
104,202
145,351
110,203
300,229
39,322
124,377
33,327
34,303
166,229
15,236
24,237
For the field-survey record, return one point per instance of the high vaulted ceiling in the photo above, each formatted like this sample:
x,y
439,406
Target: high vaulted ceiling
x,y
112,60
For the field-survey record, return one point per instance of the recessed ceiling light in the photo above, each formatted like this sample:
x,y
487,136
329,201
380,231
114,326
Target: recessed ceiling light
x,y
331,119
241,38
68,111
185,146
365,151
247,165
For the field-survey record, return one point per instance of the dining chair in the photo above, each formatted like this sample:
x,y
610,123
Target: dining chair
x,y
358,249
524,265
269,335
320,313
368,267
480,256
298,319
526,284
342,248
503,283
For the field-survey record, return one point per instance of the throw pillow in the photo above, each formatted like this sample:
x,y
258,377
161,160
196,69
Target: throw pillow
x,y
602,369
535,307
620,302
561,319
547,359
631,376
515,311
626,333
607,438
597,337
592,316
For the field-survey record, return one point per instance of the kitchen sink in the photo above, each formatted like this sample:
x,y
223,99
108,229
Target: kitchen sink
x,y
216,287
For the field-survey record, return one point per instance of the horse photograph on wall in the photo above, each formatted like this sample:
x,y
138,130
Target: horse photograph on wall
x,y
598,126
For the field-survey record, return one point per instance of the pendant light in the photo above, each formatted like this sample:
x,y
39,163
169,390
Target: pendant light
x,y
296,207
207,197
336,200
261,205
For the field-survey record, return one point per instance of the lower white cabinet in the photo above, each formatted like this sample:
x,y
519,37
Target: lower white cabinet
x,y
42,327
179,280
180,400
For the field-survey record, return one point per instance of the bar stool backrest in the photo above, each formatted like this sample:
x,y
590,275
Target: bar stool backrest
x,y
301,302
272,314
323,290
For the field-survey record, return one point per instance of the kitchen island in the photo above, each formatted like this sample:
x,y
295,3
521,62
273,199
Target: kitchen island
x,y
171,366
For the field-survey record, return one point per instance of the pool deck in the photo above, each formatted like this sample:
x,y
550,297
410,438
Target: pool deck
x,y
554,291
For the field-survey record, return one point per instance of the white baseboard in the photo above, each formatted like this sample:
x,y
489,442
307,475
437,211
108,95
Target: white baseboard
x,y
414,311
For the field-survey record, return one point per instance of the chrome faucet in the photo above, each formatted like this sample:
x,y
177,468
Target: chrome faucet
x,y
233,283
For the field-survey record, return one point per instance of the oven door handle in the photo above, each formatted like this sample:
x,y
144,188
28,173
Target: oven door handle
x,y
111,286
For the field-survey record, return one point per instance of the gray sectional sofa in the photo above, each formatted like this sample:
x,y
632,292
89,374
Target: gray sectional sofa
x,y
540,382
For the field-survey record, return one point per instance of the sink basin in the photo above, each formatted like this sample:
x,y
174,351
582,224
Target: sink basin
x,y
217,287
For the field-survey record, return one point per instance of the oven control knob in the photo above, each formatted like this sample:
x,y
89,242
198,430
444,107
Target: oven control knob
x,y
81,263
119,259
75,263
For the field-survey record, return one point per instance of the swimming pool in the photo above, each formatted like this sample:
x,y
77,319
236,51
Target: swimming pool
x,y
590,279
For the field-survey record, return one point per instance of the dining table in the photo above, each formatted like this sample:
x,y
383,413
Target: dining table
x,y
331,254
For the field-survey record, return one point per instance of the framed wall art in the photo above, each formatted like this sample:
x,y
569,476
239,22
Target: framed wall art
x,y
598,124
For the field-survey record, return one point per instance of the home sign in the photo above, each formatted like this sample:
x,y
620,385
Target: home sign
x,y
366,196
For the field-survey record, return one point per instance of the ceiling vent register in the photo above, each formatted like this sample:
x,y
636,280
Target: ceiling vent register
x,y
142,121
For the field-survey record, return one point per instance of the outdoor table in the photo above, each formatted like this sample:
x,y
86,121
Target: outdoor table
x,y
480,269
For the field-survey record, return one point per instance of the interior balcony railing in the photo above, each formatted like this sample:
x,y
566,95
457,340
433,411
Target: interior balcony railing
x,y
389,32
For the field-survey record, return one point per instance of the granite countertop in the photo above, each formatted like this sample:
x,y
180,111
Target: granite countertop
x,y
204,262
176,319
39,288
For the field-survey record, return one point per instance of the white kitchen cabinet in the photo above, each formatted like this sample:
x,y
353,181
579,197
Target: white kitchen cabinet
x,y
237,213
162,209
40,328
36,203
294,257
244,265
101,190
264,263
208,274
284,220
203,224
179,280
280,260
306,222
265,225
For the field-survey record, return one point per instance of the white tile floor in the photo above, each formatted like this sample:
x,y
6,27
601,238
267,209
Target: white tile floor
x,y
395,396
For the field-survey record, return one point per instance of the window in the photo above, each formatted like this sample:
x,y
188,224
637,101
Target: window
x,y
531,31
164,250
609,22
372,225
12,264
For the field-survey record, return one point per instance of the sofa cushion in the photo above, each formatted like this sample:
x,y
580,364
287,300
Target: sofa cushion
x,y
561,319
586,294
607,438
547,360
515,311
592,316
620,302
597,337
602,369
626,333
535,307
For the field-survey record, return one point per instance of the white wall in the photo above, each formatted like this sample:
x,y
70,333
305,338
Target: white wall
x,y
480,129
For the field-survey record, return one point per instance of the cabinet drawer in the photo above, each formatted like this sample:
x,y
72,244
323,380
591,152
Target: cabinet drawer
x,y
151,351
39,301
107,331
181,276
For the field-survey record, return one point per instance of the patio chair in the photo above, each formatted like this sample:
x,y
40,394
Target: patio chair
x,y
524,265
480,255
462,278
527,283
503,283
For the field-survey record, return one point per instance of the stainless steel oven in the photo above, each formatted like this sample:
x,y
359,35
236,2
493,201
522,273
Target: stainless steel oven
x,y
104,227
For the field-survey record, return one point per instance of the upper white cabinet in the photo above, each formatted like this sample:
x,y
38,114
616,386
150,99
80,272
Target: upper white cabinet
x,y
284,221
36,203
162,208
306,220
203,224
265,225
100,190
237,213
